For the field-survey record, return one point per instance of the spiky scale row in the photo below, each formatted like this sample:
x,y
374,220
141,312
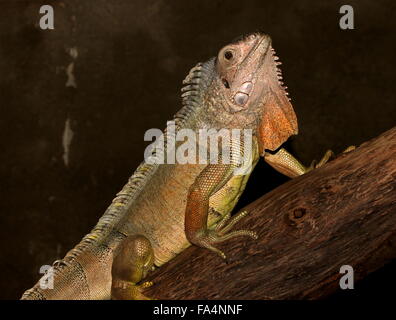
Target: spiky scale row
x,y
194,84
279,72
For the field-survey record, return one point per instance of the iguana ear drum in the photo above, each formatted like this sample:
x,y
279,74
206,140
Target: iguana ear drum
x,y
278,122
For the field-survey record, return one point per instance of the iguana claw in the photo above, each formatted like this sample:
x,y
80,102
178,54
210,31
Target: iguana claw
x,y
327,156
219,233
123,290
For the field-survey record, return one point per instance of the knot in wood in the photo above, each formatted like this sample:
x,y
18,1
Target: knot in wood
x,y
295,216
299,213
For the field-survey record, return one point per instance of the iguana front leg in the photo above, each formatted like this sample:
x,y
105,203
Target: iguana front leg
x,y
208,182
133,259
285,163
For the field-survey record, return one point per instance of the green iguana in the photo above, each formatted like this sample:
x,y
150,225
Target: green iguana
x,y
164,208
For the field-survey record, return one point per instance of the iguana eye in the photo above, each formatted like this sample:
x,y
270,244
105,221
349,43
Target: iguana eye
x,y
228,55
241,98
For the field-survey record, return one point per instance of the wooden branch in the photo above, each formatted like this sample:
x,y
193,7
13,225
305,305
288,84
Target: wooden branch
x,y
342,213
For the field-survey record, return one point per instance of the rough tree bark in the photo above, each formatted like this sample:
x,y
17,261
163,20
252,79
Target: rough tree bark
x,y
342,213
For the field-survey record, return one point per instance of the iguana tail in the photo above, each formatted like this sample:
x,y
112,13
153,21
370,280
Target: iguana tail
x,y
85,272
78,280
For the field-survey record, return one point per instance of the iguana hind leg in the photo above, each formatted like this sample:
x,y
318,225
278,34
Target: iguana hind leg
x,y
132,260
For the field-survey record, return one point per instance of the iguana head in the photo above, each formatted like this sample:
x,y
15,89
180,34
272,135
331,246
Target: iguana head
x,y
250,86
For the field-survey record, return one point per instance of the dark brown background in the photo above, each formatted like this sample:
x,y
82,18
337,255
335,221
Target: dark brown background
x,y
132,57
